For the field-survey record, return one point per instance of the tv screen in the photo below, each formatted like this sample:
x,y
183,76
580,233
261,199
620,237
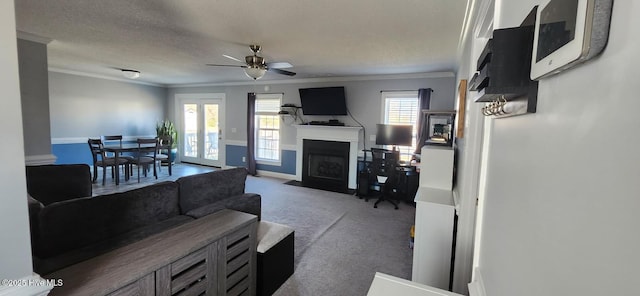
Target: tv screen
x,y
323,101
400,135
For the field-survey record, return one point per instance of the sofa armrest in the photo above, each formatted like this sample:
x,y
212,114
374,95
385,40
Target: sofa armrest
x,y
248,202
34,207
58,182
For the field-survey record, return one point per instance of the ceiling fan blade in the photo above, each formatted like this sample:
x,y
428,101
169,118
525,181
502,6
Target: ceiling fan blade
x,y
237,66
232,58
280,71
279,65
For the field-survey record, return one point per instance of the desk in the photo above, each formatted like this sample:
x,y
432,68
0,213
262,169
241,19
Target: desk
x,y
130,147
407,175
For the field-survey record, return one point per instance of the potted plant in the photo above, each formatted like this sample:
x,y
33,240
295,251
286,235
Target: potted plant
x,y
167,128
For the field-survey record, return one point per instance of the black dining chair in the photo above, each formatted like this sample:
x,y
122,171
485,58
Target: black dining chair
x,y
117,140
146,156
101,160
165,143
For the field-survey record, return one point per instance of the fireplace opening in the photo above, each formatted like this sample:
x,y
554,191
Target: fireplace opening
x,y
325,165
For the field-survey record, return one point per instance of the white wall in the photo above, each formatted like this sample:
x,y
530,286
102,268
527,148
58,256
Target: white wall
x,y
562,185
15,249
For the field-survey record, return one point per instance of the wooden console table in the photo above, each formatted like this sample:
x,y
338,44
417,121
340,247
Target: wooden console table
x,y
214,255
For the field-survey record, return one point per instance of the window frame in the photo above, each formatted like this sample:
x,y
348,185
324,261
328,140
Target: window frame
x,y
384,115
257,129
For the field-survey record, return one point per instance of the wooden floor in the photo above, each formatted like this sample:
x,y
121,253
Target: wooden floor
x,y
178,170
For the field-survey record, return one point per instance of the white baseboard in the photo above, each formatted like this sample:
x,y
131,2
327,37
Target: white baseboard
x,y
276,175
40,159
476,287
32,285
269,173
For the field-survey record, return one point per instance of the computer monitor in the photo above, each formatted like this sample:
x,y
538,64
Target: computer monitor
x,y
396,135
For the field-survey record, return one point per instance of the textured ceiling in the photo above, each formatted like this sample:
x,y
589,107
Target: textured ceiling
x,y
171,41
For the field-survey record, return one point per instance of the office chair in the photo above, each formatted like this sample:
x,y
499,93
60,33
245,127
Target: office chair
x,y
383,173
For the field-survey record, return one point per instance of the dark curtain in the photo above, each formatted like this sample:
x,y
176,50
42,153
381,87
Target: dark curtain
x,y
424,102
251,139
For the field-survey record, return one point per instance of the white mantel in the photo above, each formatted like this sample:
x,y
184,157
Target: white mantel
x,y
349,134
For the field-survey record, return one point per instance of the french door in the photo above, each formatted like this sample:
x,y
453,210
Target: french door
x,y
201,138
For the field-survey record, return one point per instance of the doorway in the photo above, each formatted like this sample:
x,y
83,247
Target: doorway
x,y
201,122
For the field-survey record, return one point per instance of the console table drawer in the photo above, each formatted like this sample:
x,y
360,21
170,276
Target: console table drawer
x,y
141,287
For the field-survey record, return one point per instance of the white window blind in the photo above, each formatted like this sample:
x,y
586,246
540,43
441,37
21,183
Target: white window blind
x,y
401,108
267,127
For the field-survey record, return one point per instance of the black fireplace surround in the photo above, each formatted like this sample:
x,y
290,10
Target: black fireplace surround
x,y
325,165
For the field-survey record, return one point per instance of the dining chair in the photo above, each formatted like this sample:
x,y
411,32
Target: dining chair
x,y
146,156
101,160
165,143
128,168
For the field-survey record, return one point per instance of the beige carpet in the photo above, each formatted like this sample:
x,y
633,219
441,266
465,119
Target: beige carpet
x,y
340,240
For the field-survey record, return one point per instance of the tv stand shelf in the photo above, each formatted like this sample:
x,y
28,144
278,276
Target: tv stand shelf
x,y
152,266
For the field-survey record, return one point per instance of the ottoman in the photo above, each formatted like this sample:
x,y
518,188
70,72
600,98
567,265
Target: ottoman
x,y
275,256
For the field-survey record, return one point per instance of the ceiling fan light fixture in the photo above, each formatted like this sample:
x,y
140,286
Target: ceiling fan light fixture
x,y
131,74
255,72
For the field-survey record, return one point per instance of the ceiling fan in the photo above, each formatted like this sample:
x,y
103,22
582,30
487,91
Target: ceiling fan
x,y
256,66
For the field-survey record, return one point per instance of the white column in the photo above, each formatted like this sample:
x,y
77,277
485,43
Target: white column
x,y
15,251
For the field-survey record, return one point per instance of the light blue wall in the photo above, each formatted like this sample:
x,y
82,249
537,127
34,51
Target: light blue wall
x,y
85,107
363,100
34,97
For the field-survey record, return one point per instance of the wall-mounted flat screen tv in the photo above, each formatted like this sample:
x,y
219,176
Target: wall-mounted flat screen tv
x,y
323,101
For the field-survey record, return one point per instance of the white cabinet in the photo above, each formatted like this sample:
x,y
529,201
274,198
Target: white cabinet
x,y
384,284
435,219
436,167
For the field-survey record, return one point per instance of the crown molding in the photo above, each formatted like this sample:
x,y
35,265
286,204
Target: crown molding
x,y
323,79
85,74
32,37
266,82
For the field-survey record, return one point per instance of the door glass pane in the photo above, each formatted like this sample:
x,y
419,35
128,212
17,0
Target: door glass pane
x,y
211,131
190,138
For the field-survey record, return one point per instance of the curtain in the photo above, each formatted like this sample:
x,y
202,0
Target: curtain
x,y
251,139
424,103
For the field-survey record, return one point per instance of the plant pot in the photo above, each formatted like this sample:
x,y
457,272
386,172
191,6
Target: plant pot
x,y
174,154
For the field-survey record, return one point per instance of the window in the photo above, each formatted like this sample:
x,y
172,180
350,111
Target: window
x,y
402,108
268,127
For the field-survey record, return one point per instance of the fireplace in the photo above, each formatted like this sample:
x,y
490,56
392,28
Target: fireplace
x,y
325,164
332,134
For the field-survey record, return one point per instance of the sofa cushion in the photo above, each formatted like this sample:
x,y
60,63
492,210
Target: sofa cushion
x,y
247,202
46,266
58,182
77,223
207,188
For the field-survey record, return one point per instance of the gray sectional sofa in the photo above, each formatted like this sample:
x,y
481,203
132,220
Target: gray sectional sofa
x,y
65,232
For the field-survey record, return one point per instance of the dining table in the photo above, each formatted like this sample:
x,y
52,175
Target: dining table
x,y
117,150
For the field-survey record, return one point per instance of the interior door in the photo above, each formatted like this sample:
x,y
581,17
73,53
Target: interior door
x,y
201,137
